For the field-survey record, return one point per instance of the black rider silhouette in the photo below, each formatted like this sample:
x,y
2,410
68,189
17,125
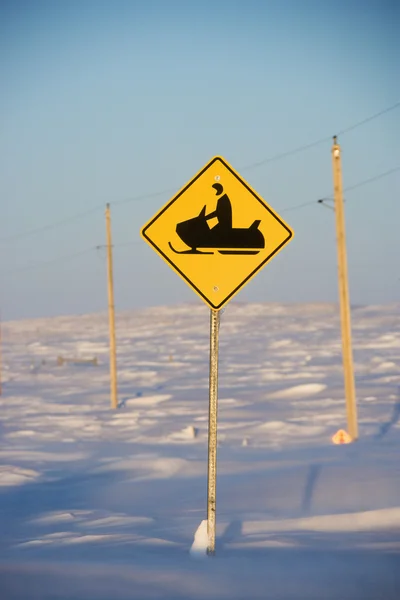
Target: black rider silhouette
x,y
223,237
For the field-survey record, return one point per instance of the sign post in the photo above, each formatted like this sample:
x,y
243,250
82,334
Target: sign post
x,y
212,431
216,233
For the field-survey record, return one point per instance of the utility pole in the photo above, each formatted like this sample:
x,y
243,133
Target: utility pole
x,y
111,313
344,298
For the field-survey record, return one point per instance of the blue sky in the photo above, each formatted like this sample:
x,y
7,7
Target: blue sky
x,y
107,101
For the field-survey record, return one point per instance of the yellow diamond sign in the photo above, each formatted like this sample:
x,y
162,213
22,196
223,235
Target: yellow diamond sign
x,y
217,233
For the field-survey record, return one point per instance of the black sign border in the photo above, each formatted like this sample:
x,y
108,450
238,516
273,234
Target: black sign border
x,y
175,198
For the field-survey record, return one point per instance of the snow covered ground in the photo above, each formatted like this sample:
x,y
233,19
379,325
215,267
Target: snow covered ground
x,y
102,504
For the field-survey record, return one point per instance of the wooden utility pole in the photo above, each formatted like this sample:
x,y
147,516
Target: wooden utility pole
x,y
111,313
344,299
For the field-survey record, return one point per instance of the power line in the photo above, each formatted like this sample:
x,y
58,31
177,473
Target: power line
x,y
365,181
368,119
51,225
371,179
346,189
310,202
143,197
64,258
250,166
123,244
297,206
135,242
281,155
48,262
321,140
285,154
288,153
81,215
78,216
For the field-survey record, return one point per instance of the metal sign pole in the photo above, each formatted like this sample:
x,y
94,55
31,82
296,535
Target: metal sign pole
x,y
212,431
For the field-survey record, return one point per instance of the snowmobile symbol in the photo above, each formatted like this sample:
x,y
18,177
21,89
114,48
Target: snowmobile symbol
x,y
224,238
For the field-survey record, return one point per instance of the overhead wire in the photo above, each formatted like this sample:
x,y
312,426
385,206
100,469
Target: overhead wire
x,y
354,186
250,166
297,206
131,243
57,259
66,257
371,179
135,242
54,225
368,119
304,204
286,154
346,189
143,197
321,140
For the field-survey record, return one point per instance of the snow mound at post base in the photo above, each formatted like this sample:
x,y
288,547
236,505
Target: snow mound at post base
x,y
199,546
